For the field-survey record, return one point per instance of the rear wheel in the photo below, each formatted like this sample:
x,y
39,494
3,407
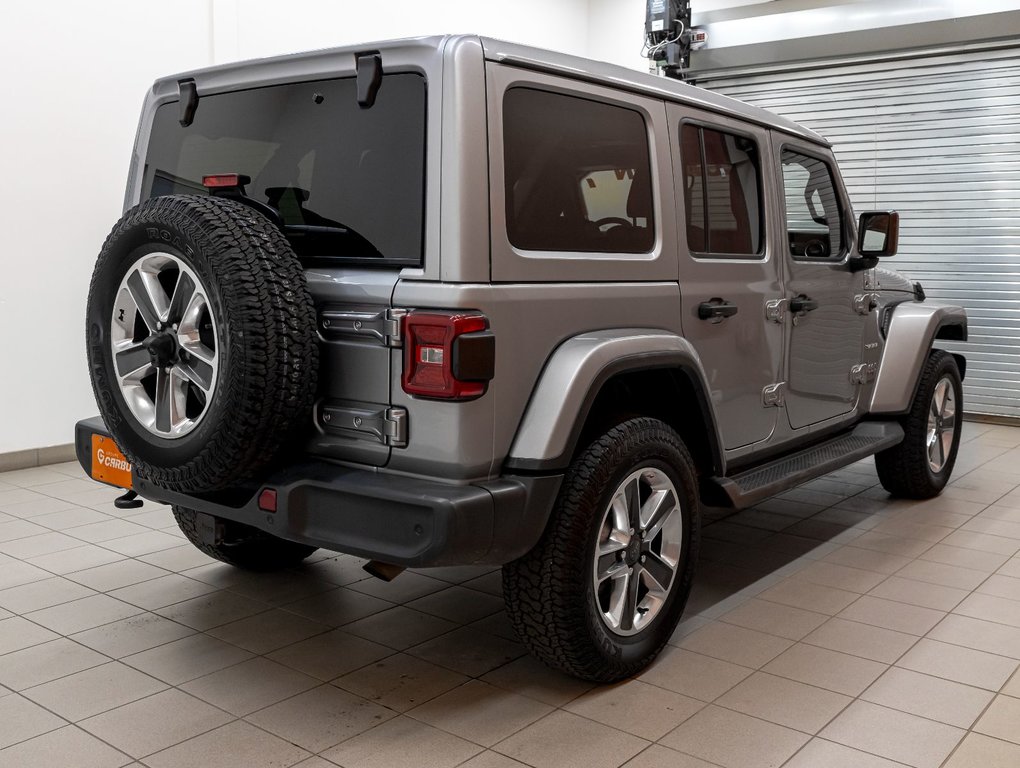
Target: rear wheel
x,y
920,466
241,545
603,590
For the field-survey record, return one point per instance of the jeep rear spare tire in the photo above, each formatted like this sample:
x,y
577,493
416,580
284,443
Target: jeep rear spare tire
x,y
201,341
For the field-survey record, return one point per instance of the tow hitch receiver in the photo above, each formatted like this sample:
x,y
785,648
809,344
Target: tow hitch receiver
x,y
209,531
129,500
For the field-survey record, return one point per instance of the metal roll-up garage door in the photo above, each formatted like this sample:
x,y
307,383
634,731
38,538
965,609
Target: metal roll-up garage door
x,y
936,137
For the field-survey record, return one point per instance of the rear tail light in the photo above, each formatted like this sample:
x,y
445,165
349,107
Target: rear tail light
x,y
447,356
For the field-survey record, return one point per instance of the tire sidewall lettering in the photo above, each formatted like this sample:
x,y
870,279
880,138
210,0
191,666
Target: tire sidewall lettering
x,y
175,240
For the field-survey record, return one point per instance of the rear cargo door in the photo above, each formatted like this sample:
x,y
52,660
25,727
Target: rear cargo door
x,y
345,183
358,331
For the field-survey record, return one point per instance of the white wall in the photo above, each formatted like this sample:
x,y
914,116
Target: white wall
x,y
73,78
616,32
74,74
252,28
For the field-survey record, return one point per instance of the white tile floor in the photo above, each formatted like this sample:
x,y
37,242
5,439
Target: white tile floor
x,y
830,627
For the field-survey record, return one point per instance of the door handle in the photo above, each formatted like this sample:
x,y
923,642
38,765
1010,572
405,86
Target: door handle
x,y
802,304
716,309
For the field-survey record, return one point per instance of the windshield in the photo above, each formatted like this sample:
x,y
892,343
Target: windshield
x,y
347,182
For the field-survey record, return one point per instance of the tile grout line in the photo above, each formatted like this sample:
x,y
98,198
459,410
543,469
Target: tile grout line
x,y
271,606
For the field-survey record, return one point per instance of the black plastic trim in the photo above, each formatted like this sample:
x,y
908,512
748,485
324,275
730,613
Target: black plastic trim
x,y
648,361
716,309
961,363
396,519
753,484
952,330
474,356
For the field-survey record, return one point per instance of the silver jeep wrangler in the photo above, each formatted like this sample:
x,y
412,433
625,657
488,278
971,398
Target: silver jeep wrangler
x,y
453,300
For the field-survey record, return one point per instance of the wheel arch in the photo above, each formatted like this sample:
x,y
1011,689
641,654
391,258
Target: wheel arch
x,y
595,380
912,329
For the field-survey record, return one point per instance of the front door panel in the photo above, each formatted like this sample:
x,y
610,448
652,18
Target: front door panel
x,y
727,267
826,335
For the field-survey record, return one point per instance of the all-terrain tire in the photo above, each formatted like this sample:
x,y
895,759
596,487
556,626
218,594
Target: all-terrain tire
x,y
266,345
905,469
244,546
550,593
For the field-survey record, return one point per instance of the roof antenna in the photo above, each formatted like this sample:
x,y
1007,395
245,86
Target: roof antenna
x,y
369,78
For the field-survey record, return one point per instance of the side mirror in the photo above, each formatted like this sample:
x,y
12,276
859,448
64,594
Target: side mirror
x,y
878,234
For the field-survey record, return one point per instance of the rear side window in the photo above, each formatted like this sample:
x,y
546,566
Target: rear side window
x,y
722,195
347,182
578,174
814,227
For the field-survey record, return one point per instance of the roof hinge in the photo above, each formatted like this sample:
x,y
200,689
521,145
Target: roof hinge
x,y
187,94
369,67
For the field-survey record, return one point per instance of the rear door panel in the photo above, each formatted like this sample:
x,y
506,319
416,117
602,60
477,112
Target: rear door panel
x,y
742,354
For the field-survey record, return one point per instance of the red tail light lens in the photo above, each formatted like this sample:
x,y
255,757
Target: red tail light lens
x,y
225,180
447,356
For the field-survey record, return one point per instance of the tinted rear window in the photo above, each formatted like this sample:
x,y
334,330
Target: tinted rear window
x,y
348,182
578,175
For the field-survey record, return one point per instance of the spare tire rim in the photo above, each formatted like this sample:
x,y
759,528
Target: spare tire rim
x,y
164,342
638,551
941,424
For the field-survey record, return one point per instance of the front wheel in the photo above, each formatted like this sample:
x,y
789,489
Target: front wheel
x,y
603,590
920,466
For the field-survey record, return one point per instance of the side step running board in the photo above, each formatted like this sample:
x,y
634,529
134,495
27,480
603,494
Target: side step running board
x,y
750,486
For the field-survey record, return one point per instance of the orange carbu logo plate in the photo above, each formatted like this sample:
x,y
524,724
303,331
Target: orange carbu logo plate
x,y
108,464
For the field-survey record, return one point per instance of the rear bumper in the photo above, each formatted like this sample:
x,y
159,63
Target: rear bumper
x,y
375,514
